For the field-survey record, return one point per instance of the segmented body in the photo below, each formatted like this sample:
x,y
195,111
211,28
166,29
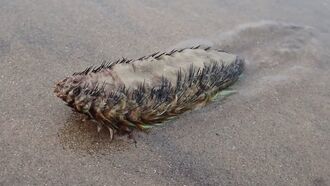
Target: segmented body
x,y
138,94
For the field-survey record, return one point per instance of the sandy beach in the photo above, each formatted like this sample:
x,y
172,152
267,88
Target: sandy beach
x,y
274,131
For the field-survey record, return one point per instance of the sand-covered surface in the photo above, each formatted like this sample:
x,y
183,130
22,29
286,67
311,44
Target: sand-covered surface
x,y
274,131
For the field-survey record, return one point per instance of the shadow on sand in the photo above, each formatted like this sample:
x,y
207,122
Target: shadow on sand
x,y
82,136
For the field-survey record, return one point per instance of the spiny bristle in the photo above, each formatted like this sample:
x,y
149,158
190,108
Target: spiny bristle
x,y
122,104
156,55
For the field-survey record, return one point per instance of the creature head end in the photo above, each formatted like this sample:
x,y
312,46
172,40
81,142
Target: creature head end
x,y
69,87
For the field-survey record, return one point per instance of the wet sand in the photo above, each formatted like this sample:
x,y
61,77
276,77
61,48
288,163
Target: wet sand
x,y
274,131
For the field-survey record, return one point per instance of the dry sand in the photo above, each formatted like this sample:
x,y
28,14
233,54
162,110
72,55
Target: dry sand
x,y
274,131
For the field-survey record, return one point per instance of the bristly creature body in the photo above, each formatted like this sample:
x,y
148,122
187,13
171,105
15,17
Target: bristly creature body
x,y
142,93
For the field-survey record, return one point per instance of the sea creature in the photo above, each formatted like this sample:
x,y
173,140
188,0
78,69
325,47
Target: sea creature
x,y
139,94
